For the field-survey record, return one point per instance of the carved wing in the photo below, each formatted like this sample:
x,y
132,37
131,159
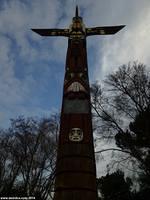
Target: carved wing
x,y
106,30
52,32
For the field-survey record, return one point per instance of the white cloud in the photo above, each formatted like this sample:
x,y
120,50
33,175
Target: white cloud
x,y
17,18
130,44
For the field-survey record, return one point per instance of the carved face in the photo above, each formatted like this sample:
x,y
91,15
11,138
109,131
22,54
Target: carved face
x,y
76,135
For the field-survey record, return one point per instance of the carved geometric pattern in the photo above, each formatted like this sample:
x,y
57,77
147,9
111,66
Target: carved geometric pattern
x,y
76,87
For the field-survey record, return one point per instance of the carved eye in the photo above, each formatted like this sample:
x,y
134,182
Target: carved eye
x,y
71,75
80,75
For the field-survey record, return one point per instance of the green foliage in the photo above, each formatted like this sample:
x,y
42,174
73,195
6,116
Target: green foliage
x,y
137,139
114,186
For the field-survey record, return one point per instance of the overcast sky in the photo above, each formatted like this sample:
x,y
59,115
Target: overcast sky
x,y
32,67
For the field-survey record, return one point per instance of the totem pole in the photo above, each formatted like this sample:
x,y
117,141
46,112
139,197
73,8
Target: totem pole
x,y
75,176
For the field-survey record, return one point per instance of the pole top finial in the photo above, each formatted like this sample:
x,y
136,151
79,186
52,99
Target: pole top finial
x,y
77,12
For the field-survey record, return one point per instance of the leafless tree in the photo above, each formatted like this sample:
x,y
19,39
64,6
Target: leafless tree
x,y
126,94
121,109
28,154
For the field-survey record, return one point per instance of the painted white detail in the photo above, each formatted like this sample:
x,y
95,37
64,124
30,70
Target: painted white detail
x,y
102,32
76,87
76,135
80,75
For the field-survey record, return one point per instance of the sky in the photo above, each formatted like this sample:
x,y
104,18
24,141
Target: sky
x,y
32,67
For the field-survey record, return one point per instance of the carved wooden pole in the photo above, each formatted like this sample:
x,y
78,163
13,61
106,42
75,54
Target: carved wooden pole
x,y
75,168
